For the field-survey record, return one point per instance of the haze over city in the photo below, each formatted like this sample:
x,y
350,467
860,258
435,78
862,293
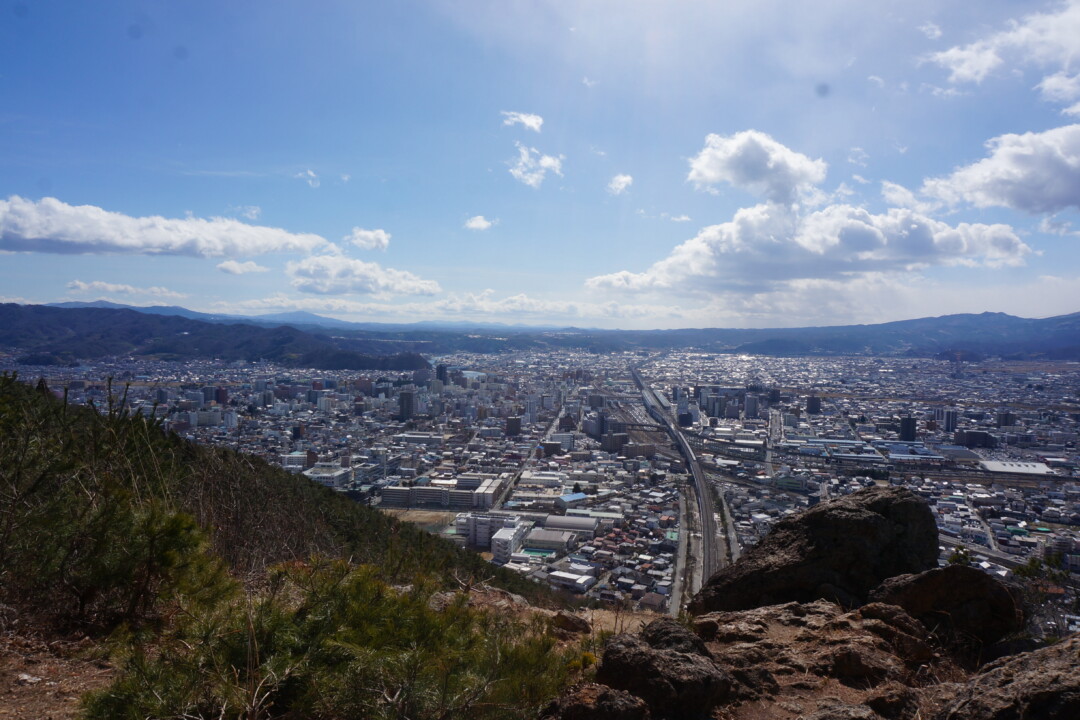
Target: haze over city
x,y
598,164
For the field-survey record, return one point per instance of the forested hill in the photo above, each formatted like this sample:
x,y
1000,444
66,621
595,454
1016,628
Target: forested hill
x,y
43,335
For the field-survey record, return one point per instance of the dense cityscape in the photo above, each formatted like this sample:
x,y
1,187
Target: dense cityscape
x,y
628,478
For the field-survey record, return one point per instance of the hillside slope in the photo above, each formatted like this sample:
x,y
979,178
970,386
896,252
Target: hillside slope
x,y
230,588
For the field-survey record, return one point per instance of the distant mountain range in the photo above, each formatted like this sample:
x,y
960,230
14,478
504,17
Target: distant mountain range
x,y
70,331
41,335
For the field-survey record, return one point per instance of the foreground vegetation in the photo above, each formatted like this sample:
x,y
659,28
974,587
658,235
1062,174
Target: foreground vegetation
x,y
231,589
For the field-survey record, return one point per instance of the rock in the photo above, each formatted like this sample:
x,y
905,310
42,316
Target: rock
x,y
894,701
957,599
861,664
842,711
839,550
26,679
673,684
1043,684
571,623
590,701
666,634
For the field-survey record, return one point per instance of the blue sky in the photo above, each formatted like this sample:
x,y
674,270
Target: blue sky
x,y
602,164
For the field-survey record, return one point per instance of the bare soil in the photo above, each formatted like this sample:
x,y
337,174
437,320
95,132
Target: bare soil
x,y
42,680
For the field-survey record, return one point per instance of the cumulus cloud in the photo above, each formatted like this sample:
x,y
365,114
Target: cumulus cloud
x,y
532,166
1062,87
754,161
769,244
52,226
339,275
121,289
479,222
1043,39
232,267
309,177
368,239
1034,172
526,120
620,184
900,196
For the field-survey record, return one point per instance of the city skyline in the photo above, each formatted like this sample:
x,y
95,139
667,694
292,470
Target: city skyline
x,y
611,165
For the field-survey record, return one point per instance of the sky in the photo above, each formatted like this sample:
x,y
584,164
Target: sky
x,y
593,163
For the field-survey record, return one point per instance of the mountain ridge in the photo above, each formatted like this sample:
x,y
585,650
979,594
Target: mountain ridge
x,y
970,335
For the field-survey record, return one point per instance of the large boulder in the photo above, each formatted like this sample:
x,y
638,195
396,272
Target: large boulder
x,y
673,684
839,550
957,600
1043,684
590,701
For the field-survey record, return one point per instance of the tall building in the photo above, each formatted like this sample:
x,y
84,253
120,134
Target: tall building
x,y
907,429
949,419
813,405
442,374
407,405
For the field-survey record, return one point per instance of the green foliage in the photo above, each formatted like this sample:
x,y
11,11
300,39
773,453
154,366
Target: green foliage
x,y
960,556
332,641
108,524
101,512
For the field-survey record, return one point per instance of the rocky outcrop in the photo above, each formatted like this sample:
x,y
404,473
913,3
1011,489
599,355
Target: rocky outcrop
x,y
839,550
957,599
590,701
1043,684
672,683
571,623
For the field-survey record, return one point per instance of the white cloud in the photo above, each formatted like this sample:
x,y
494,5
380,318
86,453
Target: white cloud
x,y
232,267
752,160
531,166
309,177
377,239
680,218
770,244
121,289
339,275
52,226
479,222
857,156
899,196
1061,87
588,83
345,177
930,30
481,304
620,184
1052,226
1034,172
526,120
880,82
251,212
1042,39
860,179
